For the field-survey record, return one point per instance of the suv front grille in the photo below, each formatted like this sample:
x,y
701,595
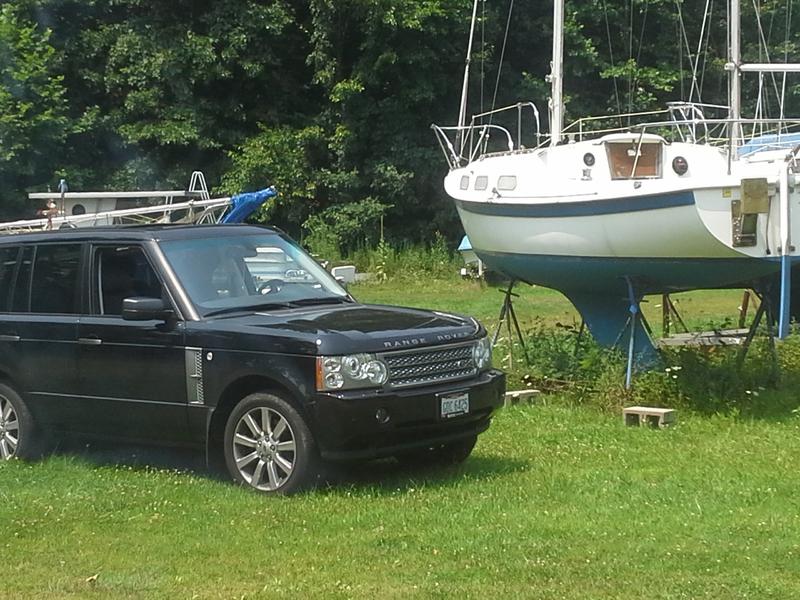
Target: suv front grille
x,y
424,366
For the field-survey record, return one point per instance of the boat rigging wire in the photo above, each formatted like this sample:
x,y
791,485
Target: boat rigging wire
x,y
765,46
502,57
630,58
483,54
705,31
611,58
702,47
633,64
788,28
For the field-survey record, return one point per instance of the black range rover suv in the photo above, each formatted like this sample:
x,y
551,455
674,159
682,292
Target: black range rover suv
x,y
233,339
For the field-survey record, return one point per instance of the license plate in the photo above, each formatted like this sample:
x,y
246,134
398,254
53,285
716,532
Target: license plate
x,y
454,405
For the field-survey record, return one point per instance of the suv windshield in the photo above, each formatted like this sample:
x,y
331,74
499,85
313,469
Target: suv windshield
x,y
240,273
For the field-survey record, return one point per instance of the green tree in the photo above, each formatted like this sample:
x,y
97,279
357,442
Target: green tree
x,y
33,121
163,88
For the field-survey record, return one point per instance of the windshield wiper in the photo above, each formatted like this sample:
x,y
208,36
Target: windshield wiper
x,y
325,300
249,308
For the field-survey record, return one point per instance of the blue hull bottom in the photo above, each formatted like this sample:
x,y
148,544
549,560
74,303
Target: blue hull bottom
x,y
597,286
652,275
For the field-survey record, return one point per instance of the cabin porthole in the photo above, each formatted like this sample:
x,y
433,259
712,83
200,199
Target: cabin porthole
x,y
680,165
79,209
588,159
464,184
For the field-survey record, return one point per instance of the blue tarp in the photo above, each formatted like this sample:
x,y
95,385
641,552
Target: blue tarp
x,y
244,205
770,142
464,245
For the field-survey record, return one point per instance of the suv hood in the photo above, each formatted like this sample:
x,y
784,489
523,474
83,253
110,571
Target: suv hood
x,y
349,328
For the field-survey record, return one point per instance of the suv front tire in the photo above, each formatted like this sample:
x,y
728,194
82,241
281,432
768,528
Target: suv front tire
x,y
269,447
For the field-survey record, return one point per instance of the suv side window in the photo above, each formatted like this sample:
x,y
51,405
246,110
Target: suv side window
x,y
121,272
21,296
54,287
8,262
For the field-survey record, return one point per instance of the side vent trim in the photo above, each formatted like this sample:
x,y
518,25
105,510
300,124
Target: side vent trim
x,y
194,376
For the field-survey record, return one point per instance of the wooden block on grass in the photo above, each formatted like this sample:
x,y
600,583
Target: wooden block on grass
x,y
648,415
518,396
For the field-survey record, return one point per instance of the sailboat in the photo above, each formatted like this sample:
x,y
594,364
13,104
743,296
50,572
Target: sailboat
x,y
608,217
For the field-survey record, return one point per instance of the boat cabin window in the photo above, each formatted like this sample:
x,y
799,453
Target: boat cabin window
x,y
481,182
624,157
464,185
507,182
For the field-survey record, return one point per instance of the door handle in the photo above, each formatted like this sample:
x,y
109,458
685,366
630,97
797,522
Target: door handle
x,y
10,337
90,341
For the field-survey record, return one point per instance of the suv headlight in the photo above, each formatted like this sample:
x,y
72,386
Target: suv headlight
x,y
482,353
350,371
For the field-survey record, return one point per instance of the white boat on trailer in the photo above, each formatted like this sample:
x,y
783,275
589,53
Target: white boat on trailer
x,y
94,209
606,216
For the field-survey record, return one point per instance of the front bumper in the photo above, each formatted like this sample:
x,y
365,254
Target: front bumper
x,y
346,426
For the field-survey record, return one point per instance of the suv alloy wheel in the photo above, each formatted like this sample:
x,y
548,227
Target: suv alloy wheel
x,y
18,434
269,447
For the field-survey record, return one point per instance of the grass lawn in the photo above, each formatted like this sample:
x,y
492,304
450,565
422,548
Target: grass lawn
x,y
557,501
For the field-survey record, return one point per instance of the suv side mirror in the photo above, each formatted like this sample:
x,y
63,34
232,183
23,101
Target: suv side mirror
x,y
145,309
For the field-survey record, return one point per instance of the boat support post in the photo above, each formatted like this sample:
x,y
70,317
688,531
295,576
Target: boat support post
x,y
786,284
634,310
786,249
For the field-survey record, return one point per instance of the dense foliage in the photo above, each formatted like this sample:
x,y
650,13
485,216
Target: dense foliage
x,y
331,101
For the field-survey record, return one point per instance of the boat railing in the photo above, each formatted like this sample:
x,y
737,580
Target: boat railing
x,y
199,211
605,124
478,138
687,121
691,119
690,122
519,109
463,144
755,135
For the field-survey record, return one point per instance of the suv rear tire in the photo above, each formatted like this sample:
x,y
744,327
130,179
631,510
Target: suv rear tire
x,y
19,436
269,447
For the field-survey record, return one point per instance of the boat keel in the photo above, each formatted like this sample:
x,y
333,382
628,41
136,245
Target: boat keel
x,y
609,319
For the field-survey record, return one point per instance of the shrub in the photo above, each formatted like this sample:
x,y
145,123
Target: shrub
x,y
707,380
343,227
408,262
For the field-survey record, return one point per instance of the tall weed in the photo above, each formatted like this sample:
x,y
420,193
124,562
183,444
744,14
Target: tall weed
x,y
708,380
408,262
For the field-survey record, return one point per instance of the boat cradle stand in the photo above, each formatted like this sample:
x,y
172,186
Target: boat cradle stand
x,y
742,336
509,317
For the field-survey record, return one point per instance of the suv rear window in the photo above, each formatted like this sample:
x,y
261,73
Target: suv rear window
x,y
54,288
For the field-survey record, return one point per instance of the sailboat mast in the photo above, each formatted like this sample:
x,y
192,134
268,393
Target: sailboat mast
x,y
734,72
462,112
556,74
